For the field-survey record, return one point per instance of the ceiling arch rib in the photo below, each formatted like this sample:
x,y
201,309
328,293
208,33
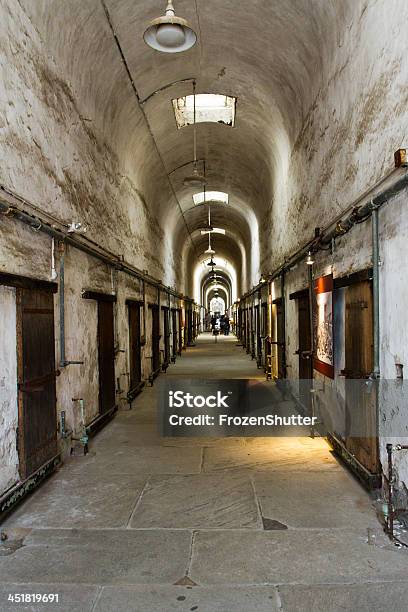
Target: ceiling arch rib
x,y
226,250
220,276
235,244
212,293
219,292
201,270
222,279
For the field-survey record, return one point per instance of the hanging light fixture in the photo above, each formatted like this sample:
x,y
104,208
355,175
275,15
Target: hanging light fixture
x,y
210,250
309,260
206,228
196,179
170,34
210,227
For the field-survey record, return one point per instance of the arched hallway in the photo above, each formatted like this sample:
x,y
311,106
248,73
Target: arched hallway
x,y
203,322
150,523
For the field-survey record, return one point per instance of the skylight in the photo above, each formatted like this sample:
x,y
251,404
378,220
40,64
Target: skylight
x,y
215,230
210,196
213,108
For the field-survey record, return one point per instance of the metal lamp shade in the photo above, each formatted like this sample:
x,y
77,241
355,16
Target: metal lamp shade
x,y
170,34
195,180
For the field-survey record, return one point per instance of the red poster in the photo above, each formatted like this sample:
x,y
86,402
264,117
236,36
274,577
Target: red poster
x,y
323,326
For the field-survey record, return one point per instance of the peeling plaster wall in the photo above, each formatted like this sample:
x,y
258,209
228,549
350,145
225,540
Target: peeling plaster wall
x,y
349,135
81,321
393,224
8,389
295,280
79,174
82,272
56,157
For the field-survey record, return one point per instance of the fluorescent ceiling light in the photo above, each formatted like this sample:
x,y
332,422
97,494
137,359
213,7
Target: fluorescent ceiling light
x,y
210,108
210,196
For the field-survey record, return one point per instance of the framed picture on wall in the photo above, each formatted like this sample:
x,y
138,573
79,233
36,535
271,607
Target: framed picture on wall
x,y
323,326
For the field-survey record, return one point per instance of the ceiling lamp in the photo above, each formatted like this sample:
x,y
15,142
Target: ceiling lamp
x,y
211,262
170,34
309,260
196,179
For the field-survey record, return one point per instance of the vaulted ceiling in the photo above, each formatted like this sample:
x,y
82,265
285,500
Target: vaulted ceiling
x,y
268,53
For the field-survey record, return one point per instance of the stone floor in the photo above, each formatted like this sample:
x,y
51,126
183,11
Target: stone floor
x,y
214,525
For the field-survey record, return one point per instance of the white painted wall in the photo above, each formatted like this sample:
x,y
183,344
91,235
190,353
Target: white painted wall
x,y
393,420
8,389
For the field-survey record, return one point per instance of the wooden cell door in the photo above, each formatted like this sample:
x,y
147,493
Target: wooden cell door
x,y
258,335
180,330
106,356
155,339
264,320
135,348
174,327
361,417
280,338
304,350
166,332
189,317
37,418
264,335
251,345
